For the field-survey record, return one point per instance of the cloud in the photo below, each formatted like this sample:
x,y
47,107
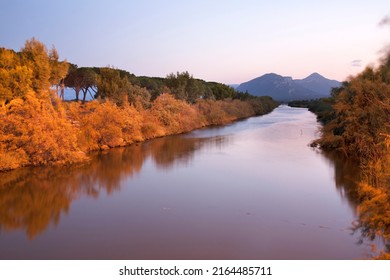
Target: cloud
x,y
356,63
385,21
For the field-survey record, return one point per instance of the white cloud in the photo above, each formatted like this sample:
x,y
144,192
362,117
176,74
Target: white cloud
x,y
385,21
356,63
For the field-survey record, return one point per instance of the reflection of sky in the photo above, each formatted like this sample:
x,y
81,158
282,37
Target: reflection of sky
x,y
248,124
224,41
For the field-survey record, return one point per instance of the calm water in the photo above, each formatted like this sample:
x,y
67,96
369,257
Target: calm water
x,y
250,190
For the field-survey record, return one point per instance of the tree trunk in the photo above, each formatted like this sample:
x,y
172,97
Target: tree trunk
x,y
84,94
77,93
62,93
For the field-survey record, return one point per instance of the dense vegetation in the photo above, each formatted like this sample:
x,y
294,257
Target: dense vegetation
x,y
37,127
357,124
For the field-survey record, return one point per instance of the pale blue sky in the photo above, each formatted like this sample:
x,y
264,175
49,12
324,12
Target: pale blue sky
x,y
216,40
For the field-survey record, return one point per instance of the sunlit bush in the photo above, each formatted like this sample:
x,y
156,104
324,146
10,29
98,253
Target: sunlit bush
x,y
175,116
103,125
33,132
212,112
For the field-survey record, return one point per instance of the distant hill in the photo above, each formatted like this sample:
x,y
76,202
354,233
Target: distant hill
x,y
318,83
286,89
235,86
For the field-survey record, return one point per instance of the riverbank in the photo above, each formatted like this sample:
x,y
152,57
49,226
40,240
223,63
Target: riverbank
x,y
356,122
41,131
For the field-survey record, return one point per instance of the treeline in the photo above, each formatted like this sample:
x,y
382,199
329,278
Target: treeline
x,y
121,86
357,124
37,127
36,68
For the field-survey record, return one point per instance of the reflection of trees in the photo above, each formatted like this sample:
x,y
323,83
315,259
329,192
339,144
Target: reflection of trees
x,y
170,150
33,198
346,176
350,182
30,201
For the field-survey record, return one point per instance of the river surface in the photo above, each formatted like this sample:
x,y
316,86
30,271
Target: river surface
x,y
253,189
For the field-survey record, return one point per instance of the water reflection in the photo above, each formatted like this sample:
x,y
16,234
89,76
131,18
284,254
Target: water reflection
x,y
169,151
250,190
33,198
346,177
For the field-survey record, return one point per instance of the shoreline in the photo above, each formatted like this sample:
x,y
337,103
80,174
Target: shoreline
x,y
85,155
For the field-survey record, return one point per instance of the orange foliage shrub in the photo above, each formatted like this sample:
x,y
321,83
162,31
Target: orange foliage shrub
x,y
175,116
212,112
151,127
104,125
237,109
170,116
15,78
225,111
34,132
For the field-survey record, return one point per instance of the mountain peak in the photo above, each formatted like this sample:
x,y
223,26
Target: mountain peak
x,y
271,75
315,75
286,89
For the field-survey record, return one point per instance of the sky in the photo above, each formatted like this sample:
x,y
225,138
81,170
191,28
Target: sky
x,y
216,40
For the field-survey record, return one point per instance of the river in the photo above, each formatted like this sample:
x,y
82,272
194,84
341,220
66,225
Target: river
x,y
253,189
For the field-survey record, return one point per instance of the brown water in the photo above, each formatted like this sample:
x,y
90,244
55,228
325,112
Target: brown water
x,y
250,190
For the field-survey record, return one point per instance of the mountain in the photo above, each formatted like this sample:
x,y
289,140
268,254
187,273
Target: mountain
x,y
286,89
318,83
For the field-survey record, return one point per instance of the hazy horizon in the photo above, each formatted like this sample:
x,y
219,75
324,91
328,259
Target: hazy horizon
x,y
224,41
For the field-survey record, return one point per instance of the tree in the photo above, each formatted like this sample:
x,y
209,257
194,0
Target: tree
x,y
177,84
221,91
81,79
119,89
59,70
155,86
111,86
184,87
15,78
34,68
35,56
138,96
